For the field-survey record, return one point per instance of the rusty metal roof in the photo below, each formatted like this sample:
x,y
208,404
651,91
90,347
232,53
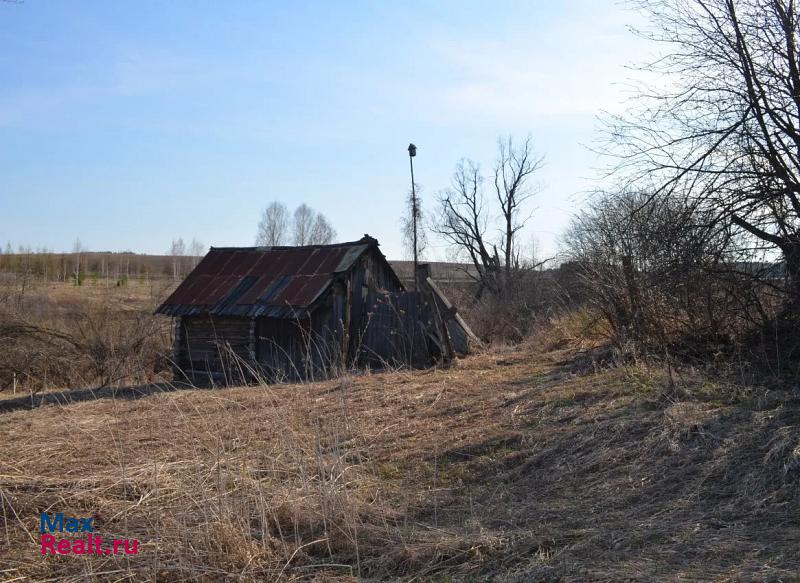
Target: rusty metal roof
x,y
280,282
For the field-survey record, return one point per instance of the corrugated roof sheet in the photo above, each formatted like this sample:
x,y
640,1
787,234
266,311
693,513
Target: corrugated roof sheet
x,y
262,281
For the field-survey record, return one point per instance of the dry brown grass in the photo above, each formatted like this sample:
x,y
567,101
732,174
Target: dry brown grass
x,y
58,335
52,298
512,466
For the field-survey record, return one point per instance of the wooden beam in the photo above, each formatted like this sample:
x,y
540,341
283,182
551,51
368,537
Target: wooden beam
x,y
456,315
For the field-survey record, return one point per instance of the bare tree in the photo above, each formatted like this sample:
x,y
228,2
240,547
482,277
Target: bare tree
x,y
274,225
303,224
514,167
77,252
463,223
726,130
322,232
311,227
196,249
308,227
467,222
177,250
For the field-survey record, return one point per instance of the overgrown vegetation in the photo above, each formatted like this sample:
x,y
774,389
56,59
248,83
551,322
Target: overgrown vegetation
x,y
665,277
55,336
695,251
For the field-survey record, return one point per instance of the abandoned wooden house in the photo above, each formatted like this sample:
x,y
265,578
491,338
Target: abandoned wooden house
x,y
306,312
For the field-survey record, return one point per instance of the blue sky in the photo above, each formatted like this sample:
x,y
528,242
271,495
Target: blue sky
x,y
128,124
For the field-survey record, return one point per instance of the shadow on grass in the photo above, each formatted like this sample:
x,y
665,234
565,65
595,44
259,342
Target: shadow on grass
x,y
78,395
626,490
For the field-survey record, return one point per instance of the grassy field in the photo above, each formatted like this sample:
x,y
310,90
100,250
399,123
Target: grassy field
x,y
512,466
57,336
59,297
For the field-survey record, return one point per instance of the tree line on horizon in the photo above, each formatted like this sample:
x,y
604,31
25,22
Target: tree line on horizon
x,y
80,265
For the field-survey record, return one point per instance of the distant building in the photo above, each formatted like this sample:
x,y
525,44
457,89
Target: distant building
x,y
443,273
305,312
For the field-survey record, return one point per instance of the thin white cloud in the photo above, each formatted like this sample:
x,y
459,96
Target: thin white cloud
x,y
576,68
128,72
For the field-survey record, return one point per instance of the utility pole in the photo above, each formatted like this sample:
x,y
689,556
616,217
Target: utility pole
x,y
412,151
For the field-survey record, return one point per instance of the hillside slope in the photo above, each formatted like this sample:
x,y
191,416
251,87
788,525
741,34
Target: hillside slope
x,y
511,466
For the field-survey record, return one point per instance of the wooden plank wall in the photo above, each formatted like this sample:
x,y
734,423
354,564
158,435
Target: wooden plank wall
x,y
369,275
394,330
280,348
304,349
214,347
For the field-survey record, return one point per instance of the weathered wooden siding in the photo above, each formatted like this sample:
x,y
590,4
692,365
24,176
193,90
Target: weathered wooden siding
x,y
394,331
281,348
209,346
458,337
307,348
370,275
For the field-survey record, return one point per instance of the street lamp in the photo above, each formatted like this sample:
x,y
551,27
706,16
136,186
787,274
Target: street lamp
x,y
412,151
